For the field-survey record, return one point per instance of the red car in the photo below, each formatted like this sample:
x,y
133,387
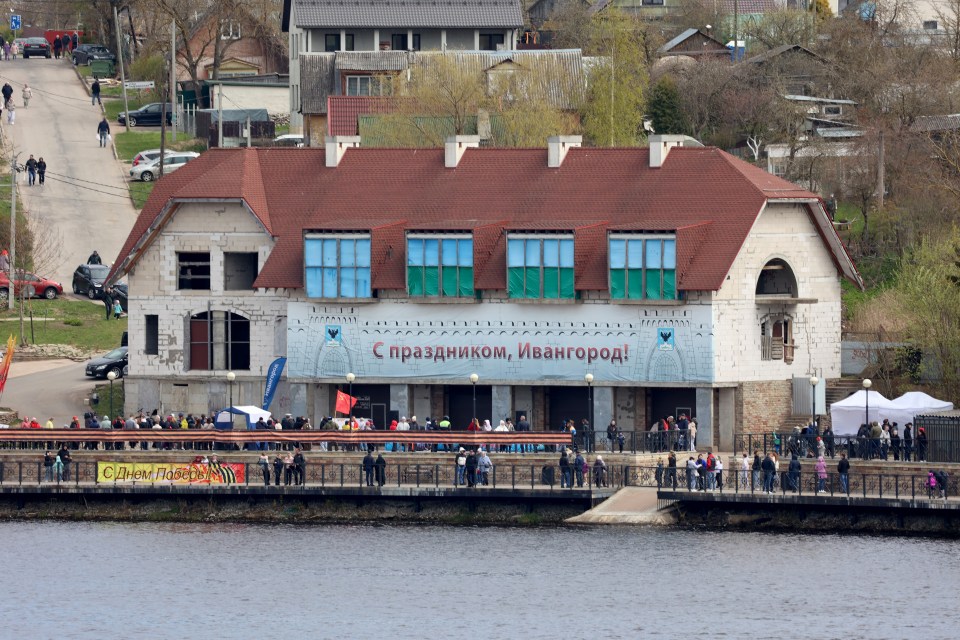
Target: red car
x,y
36,287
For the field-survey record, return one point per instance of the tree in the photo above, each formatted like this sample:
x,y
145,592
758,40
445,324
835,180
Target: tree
x,y
452,94
615,99
929,289
664,109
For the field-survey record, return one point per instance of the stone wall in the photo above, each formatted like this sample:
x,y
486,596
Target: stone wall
x,y
762,407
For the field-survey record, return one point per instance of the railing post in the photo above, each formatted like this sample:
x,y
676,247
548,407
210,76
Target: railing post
x,y
323,474
341,476
436,476
398,476
246,473
495,475
513,476
418,475
881,485
532,479
896,486
863,481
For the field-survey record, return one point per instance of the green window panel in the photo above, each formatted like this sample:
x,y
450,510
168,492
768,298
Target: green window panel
x,y
532,283
431,281
415,281
566,283
669,284
466,282
653,284
450,281
618,284
551,282
515,282
635,284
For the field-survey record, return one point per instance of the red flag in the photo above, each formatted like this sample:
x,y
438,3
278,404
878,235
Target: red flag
x,y
344,402
7,359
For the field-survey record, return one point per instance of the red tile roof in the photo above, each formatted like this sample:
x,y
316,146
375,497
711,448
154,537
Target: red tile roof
x,y
709,198
343,112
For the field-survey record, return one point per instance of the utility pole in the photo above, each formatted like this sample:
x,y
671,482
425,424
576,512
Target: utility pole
x,y
173,77
13,229
736,30
220,114
123,79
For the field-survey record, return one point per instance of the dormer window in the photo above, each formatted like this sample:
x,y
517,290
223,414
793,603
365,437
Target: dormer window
x,y
540,266
337,265
643,267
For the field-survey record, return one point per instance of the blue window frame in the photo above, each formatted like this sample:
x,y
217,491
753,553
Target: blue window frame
x,y
540,267
337,266
643,268
439,266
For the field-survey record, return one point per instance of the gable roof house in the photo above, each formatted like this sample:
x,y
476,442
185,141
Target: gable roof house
x,y
679,277
229,46
329,26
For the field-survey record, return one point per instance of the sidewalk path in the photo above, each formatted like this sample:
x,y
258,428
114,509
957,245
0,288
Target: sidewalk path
x,y
85,199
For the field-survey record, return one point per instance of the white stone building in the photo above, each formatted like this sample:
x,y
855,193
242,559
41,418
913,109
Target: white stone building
x,y
680,278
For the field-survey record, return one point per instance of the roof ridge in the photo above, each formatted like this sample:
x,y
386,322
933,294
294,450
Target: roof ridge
x,y
252,189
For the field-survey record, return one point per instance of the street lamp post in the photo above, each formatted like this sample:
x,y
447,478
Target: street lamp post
x,y
111,376
814,381
350,379
231,376
473,379
867,383
589,380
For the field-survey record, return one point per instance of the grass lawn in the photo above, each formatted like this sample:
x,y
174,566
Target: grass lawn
x,y
64,321
139,192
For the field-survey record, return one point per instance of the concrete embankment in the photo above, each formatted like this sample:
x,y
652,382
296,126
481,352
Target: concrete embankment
x,y
282,509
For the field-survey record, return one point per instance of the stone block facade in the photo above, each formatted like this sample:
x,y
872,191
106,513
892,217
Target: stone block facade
x,y
762,406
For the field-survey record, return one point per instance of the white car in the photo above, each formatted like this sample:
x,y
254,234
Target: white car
x,y
288,140
150,170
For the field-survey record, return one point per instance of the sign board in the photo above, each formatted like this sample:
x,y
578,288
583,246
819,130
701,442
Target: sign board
x,y
14,22
502,343
141,84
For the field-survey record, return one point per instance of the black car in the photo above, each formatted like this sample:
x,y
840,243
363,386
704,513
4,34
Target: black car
x,y
86,53
120,293
114,361
147,114
88,279
36,47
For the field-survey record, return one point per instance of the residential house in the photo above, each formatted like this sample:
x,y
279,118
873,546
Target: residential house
x,y
330,26
246,47
560,74
696,44
792,68
679,277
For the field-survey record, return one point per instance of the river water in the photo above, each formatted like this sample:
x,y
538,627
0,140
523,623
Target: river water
x,y
96,580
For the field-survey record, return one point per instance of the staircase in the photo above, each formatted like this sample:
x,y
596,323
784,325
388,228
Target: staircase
x,y
837,389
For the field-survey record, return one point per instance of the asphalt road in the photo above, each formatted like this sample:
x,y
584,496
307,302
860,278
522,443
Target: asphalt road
x,y
47,389
85,201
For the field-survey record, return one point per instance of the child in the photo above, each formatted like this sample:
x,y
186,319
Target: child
x,y
117,309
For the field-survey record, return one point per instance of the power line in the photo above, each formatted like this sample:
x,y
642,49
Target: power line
x,y
60,175
106,193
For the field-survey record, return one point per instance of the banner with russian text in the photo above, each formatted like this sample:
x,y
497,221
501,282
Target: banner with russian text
x,y
273,379
172,472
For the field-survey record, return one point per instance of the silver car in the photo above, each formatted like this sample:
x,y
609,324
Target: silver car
x,y
150,170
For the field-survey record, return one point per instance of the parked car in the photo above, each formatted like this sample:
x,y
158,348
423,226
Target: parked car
x,y
149,171
36,287
148,114
86,53
289,140
115,361
88,279
35,47
146,156
120,293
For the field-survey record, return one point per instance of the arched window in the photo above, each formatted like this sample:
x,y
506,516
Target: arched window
x,y
219,340
777,279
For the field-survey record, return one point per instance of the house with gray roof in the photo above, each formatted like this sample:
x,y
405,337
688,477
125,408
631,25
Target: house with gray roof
x,y
332,26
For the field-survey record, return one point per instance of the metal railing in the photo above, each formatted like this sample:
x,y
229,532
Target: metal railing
x,y
322,475
929,450
865,485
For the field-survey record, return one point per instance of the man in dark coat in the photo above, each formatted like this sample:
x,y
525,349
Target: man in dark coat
x,y
7,92
368,468
299,467
106,296
471,468
381,470
65,43
95,92
57,48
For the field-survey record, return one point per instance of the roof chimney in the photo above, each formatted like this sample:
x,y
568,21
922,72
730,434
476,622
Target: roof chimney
x,y
454,148
337,146
557,147
661,144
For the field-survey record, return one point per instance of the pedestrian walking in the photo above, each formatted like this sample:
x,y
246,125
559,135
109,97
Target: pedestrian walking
x,y
11,111
103,131
843,468
264,464
6,50
381,468
368,465
95,92
31,165
57,48
25,94
106,296
41,169
14,49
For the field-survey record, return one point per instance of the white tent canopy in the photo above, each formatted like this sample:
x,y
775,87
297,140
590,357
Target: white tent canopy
x,y
915,403
848,414
224,420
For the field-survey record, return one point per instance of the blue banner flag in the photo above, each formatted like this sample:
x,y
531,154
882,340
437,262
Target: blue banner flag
x,y
273,379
